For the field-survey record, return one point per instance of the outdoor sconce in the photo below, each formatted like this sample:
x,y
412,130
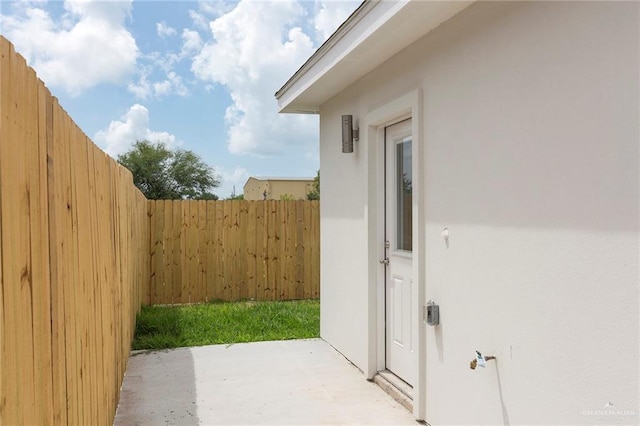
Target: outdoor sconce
x,y
349,134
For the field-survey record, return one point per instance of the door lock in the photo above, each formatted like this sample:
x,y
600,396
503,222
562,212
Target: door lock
x,y
385,261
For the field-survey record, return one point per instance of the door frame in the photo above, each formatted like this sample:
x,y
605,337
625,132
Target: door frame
x,y
403,107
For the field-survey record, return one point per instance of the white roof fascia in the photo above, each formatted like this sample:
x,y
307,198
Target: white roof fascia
x,y
321,59
375,32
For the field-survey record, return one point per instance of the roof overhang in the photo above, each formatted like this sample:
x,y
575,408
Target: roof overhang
x,y
375,32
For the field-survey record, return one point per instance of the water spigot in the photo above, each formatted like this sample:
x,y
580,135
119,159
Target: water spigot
x,y
480,360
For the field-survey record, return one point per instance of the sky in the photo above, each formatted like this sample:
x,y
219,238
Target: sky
x,y
199,76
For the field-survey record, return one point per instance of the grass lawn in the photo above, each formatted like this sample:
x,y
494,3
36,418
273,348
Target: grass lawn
x,y
162,327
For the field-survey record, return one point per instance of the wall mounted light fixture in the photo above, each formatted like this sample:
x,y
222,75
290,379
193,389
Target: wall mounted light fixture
x,y
349,134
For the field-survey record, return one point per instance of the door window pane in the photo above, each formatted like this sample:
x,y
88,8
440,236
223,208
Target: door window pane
x,y
404,195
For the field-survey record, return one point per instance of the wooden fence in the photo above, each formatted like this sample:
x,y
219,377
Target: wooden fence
x,y
74,260
230,250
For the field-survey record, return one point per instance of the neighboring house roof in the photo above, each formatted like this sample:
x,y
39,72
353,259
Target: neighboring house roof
x,y
264,178
375,32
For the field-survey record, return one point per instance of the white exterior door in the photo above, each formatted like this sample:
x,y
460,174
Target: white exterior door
x,y
400,326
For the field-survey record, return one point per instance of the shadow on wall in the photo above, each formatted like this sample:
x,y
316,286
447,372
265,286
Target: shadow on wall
x,y
439,342
505,413
159,388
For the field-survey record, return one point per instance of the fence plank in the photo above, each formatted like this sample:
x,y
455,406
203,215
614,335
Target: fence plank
x,y
154,254
307,260
166,295
9,160
83,243
28,182
261,247
191,244
106,265
210,265
251,249
5,126
241,267
228,251
176,276
315,247
72,304
58,199
219,251
289,226
285,256
39,237
273,221
234,239
299,256
184,267
93,366
97,324
158,236
202,250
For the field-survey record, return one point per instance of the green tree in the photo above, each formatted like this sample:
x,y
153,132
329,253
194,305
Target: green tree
x,y
236,197
314,194
165,174
209,196
287,197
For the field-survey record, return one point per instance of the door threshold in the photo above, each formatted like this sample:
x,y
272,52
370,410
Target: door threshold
x,y
397,388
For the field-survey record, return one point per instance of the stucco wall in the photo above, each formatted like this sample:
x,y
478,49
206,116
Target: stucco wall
x,y
343,287
530,130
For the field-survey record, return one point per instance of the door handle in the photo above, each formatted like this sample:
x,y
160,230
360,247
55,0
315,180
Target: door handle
x,y
385,261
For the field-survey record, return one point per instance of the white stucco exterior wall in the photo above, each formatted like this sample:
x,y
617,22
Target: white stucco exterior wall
x,y
530,133
343,289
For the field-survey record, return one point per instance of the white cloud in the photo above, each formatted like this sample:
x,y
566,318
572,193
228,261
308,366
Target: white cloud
x,y
330,14
88,46
132,126
199,19
166,62
178,86
192,42
209,9
254,48
164,30
172,84
143,89
113,11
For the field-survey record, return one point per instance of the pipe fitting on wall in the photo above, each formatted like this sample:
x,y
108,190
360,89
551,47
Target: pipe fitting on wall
x,y
480,360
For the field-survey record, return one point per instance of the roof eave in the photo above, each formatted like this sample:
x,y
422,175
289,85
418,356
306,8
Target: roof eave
x,y
330,69
337,35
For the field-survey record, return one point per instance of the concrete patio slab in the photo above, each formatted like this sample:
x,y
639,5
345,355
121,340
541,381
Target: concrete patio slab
x,y
282,382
